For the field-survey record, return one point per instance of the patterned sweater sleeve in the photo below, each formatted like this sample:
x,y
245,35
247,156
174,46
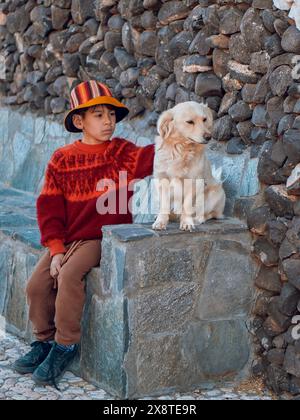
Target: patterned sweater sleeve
x,y
137,160
51,212
144,161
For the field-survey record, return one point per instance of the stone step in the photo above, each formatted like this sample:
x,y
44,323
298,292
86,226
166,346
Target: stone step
x,y
165,312
18,216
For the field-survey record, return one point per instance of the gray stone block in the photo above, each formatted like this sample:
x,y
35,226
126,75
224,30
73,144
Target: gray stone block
x,y
186,298
229,282
225,226
102,348
163,363
216,350
5,268
162,310
167,262
16,310
155,365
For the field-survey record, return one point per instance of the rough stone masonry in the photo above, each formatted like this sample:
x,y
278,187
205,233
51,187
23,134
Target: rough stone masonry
x,y
241,57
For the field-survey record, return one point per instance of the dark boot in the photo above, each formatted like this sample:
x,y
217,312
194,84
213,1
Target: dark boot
x,y
32,360
54,366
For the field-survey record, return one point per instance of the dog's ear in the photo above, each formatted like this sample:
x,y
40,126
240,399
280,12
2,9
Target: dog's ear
x,y
210,114
165,124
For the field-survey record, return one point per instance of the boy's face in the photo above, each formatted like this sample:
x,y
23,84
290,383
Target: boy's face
x,y
98,122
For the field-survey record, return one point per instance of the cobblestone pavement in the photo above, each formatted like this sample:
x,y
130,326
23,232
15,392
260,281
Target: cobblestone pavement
x,y
20,387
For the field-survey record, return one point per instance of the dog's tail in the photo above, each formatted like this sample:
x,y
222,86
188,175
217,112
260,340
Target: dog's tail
x,y
217,173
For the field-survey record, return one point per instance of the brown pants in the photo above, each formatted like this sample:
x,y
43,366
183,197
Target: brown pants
x,y
56,305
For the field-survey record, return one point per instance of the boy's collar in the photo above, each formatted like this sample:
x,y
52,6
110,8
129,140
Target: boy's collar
x,y
84,147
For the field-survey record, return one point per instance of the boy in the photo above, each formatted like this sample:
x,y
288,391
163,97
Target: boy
x,y
70,225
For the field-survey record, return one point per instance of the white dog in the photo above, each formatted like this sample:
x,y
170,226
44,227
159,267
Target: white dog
x,y
180,156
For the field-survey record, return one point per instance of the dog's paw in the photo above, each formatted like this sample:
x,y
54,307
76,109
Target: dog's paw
x,y
160,224
187,224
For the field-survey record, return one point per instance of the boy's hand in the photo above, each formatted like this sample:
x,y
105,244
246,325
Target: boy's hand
x,y
55,265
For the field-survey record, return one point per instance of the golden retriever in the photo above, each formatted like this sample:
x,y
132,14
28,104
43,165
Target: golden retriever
x,y
179,161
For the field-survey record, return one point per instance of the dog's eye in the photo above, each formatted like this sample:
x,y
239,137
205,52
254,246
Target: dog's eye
x,y
190,122
204,119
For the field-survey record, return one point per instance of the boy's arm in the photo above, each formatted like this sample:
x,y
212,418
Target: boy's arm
x,y
51,213
137,160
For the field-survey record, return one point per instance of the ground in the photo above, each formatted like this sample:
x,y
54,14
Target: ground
x,y
20,387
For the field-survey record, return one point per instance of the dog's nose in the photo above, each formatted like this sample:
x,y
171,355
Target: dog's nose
x,y
207,136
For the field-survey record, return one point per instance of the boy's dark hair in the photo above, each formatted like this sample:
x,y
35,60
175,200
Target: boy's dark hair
x,y
83,111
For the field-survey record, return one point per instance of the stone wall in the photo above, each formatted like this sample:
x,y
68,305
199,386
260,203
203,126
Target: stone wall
x,y
153,54
273,218
235,55
275,224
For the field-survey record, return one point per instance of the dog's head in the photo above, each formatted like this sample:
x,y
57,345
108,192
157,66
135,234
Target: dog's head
x,y
191,120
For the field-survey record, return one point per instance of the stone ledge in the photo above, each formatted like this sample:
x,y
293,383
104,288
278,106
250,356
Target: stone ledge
x,y
165,311
126,233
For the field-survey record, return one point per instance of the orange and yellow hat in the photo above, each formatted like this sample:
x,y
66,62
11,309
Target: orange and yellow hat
x,y
91,93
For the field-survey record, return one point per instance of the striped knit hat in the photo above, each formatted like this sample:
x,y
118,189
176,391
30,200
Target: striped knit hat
x,y
91,93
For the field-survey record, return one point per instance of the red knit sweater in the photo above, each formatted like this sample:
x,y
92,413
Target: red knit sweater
x,y
66,206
